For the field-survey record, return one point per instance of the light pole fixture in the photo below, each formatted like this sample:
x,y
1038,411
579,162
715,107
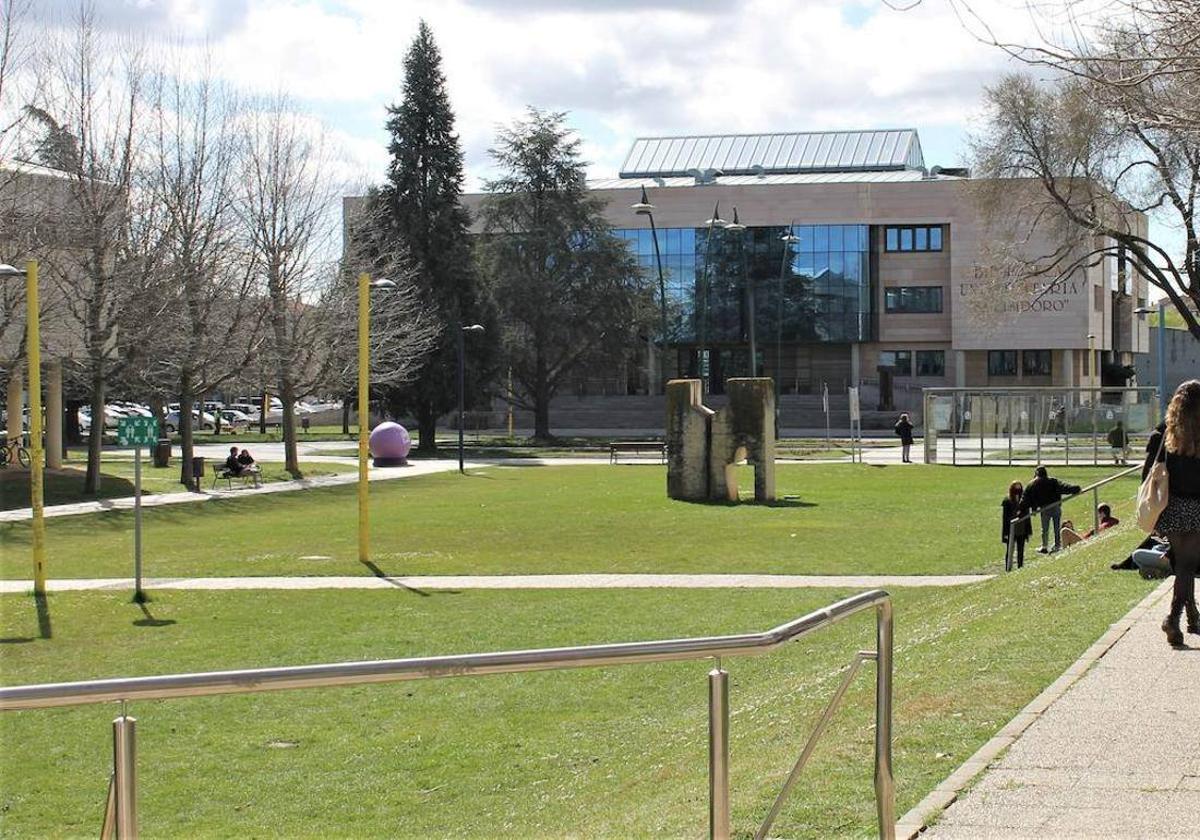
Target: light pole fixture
x,y
644,208
715,222
1161,362
365,285
1091,337
33,349
737,227
788,239
462,376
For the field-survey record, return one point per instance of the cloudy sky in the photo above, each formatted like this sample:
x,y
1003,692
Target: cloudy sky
x,y
622,68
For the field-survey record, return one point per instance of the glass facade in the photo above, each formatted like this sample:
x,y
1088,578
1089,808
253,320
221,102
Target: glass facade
x,y
819,291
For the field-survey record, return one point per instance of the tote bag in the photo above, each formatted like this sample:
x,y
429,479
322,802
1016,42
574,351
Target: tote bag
x,y
1152,495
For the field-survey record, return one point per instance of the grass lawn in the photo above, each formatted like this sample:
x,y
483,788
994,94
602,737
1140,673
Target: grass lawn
x,y
616,752
65,486
838,519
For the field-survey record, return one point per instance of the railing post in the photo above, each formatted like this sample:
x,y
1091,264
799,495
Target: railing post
x,y
718,754
1096,510
125,776
885,784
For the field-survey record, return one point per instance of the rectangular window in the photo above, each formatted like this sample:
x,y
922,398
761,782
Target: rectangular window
x,y
931,363
899,360
1036,362
912,299
912,238
1002,363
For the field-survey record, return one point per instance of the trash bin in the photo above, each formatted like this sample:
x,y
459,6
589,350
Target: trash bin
x,y
197,468
162,453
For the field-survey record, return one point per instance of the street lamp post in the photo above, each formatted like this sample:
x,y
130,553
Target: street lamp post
x,y
1161,362
33,349
1093,399
365,284
715,222
462,377
645,208
737,227
788,240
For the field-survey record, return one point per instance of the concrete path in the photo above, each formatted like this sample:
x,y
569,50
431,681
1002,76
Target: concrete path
x,y
511,582
1116,755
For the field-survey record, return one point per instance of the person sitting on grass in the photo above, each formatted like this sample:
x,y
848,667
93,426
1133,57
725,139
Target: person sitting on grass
x,y
233,464
1070,536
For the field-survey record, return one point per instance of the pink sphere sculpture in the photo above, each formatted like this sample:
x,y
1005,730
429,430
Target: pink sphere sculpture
x,y
389,443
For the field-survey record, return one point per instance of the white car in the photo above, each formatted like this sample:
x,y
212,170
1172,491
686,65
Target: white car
x,y
203,422
234,419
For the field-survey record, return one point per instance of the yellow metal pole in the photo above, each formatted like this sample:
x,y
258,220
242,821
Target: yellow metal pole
x,y
364,417
35,428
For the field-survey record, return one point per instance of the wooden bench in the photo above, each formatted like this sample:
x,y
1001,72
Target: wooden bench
x,y
251,474
636,447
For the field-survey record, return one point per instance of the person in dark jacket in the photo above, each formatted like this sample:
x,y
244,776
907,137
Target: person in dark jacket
x,y
1045,494
904,430
1118,441
1180,520
1012,507
232,465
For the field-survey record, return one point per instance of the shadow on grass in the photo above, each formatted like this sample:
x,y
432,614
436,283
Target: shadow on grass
x,y
45,628
785,502
150,620
391,581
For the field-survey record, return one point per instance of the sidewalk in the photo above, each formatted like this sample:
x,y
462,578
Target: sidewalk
x,y
418,582
1116,755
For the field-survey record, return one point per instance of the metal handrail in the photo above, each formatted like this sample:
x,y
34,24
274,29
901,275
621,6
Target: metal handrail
x,y
51,695
1091,488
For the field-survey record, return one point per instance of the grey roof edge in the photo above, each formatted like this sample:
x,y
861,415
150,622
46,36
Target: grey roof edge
x,y
774,133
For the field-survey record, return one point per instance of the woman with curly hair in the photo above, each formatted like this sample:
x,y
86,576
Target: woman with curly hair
x,y
1180,520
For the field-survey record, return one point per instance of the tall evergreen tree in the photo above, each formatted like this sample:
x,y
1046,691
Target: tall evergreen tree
x,y
422,211
569,293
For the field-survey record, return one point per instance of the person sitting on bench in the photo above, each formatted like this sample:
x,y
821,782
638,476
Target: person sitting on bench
x,y
233,465
246,460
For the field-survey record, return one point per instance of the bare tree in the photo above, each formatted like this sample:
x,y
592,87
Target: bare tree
x,y
90,107
1115,128
209,328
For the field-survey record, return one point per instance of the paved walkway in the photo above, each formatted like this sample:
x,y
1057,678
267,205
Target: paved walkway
x,y
510,582
1116,755
374,474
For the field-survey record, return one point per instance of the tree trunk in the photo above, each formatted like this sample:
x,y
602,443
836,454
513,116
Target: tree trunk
x,y
541,415
91,481
287,395
186,447
72,436
426,429
346,414
262,412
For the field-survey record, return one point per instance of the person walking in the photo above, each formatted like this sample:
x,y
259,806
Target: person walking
x,y
1118,441
904,430
1045,494
1179,449
1013,506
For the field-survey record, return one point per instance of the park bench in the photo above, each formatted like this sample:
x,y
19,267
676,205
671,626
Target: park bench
x,y
636,447
253,475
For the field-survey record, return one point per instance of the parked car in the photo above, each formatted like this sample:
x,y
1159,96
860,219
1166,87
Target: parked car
x,y
204,422
234,419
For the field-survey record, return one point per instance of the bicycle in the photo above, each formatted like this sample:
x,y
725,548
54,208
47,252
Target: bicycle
x,y
14,451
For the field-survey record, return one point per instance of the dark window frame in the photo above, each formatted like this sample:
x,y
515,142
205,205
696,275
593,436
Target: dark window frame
x,y
1004,356
1046,369
916,292
894,237
940,355
905,369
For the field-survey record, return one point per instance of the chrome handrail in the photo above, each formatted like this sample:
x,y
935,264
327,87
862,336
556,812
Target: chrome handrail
x,y
1091,488
51,695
